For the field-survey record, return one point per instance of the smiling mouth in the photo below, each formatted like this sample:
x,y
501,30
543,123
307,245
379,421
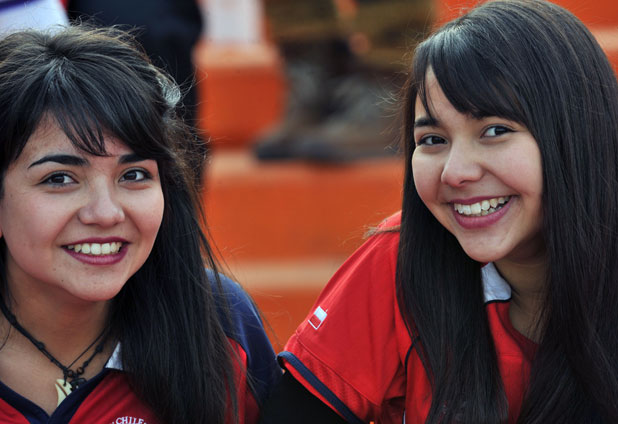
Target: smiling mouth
x,y
483,208
96,249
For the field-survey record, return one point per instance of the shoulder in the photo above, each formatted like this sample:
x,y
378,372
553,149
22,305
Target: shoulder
x,y
350,349
239,316
234,296
392,222
369,270
242,324
377,256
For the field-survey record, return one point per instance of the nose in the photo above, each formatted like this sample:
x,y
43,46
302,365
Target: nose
x,y
463,165
102,207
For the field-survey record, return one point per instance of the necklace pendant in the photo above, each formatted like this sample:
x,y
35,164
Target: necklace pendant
x,y
77,382
63,388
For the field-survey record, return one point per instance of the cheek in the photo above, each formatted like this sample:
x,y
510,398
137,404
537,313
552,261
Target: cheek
x,y
151,215
522,169
30,221
426,179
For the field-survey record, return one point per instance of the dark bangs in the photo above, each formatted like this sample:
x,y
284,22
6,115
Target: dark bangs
x,y
470,73
90,87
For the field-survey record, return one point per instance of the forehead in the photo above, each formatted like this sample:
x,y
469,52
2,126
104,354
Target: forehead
x,y
49,137
431,94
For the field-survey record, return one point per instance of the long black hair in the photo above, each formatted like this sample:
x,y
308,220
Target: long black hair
x,y
535,63
95,83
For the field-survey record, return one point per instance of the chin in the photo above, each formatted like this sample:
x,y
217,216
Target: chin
x,y
96,294
484,256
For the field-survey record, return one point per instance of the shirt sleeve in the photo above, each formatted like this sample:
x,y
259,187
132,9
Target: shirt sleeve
x,y
351,348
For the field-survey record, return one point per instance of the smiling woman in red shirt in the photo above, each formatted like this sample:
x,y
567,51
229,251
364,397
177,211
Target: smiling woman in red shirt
x,y
112,308
492,296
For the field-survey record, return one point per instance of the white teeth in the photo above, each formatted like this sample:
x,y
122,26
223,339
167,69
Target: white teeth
x,y
96,249
482,208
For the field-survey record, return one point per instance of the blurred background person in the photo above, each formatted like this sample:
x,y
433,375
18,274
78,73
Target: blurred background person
x,y
344,65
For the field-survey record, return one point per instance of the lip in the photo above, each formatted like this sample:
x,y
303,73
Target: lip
x,y
110,259
476,222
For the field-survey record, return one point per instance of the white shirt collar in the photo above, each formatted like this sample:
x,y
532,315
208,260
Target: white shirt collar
x,y
494,286
114,362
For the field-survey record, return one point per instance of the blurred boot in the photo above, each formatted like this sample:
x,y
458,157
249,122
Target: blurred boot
x,y
364,125
307,106
349,117
311,68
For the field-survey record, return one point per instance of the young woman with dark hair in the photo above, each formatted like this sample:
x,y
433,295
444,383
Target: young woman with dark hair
x,y
108,312
493,296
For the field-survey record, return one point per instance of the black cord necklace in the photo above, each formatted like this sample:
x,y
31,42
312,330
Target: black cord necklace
x,y
74,377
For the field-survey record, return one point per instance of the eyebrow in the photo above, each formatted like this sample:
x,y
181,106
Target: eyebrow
x,y
79,161
130,158
61,159
426,121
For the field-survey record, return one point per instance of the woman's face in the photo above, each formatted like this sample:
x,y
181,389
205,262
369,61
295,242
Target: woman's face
x,y
77,226
481,179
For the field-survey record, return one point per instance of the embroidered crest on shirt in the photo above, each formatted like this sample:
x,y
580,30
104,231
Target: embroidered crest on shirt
x,y
318,317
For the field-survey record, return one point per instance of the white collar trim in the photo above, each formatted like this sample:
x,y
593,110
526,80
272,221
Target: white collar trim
x,y
114,362
494,286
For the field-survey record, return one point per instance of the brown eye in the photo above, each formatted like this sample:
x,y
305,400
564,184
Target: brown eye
x,y
496,130
59,180
136,175
431,140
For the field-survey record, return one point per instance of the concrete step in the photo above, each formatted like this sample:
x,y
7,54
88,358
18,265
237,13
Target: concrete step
x,y
296,210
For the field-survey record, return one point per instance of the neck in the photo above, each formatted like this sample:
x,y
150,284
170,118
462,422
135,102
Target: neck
x,y
527,281
67,326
